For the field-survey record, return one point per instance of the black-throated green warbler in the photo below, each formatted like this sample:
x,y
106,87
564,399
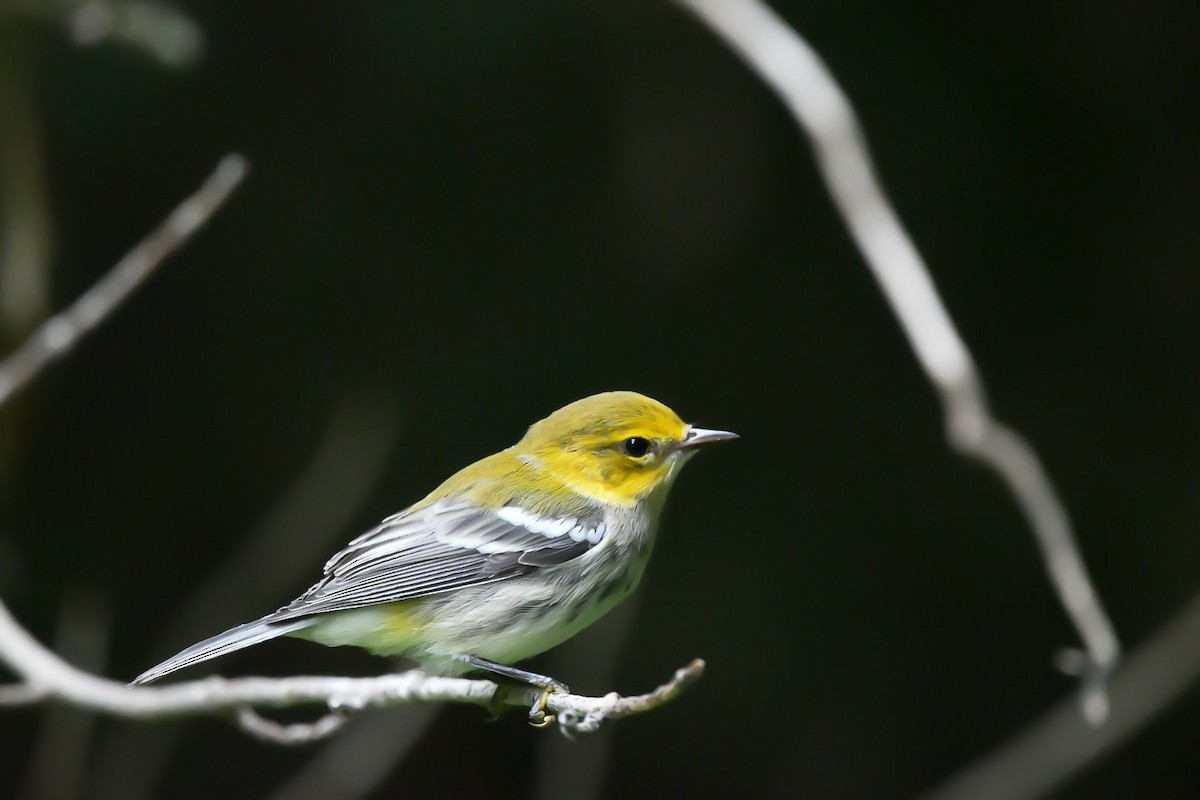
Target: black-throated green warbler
x,y
508,558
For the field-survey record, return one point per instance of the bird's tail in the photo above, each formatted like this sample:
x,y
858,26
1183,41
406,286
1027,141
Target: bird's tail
x,y
233,639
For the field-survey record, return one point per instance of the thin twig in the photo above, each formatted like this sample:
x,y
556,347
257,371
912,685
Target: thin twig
x,y
59,334
789,65
43,670
269,730
585,715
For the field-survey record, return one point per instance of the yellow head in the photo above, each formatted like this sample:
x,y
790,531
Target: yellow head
x,y
619,445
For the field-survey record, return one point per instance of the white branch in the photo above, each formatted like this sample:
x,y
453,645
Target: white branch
x,y
50,678
789,65
274,732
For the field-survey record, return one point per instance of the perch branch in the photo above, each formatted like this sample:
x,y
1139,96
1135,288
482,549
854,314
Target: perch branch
x,y
49,677
787,64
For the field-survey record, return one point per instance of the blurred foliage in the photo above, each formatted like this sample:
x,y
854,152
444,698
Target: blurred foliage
x,y
498,209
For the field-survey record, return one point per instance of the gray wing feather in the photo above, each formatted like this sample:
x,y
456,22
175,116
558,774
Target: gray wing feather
x,y
416,553
442,547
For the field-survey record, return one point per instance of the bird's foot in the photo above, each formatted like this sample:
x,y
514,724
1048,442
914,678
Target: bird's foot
x,y
538,717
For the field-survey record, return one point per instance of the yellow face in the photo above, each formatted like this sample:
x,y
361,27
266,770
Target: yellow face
x,y
621,445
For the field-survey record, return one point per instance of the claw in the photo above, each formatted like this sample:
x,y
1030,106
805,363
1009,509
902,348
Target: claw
x,y
538,717
548,686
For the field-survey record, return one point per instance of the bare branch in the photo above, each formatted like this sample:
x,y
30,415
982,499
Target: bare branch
x,y
789,66
52,678
586,717
274,732
59,334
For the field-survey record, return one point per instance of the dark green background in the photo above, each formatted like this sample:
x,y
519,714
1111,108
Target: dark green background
x,y
485,210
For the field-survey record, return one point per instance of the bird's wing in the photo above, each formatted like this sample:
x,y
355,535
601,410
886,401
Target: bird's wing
x,y
443,546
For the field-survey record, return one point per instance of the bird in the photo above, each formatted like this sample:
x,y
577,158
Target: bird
x,y
506,559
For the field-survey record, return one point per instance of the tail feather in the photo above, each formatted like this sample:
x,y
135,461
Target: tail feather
x,y
251,633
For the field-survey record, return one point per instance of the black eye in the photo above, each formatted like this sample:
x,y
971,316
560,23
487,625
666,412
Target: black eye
x,y
636,446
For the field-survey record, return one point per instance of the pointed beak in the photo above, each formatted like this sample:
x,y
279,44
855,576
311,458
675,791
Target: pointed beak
x,y
697,437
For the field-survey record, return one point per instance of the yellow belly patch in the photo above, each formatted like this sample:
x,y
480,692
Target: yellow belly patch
x,y
386,630
402,623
